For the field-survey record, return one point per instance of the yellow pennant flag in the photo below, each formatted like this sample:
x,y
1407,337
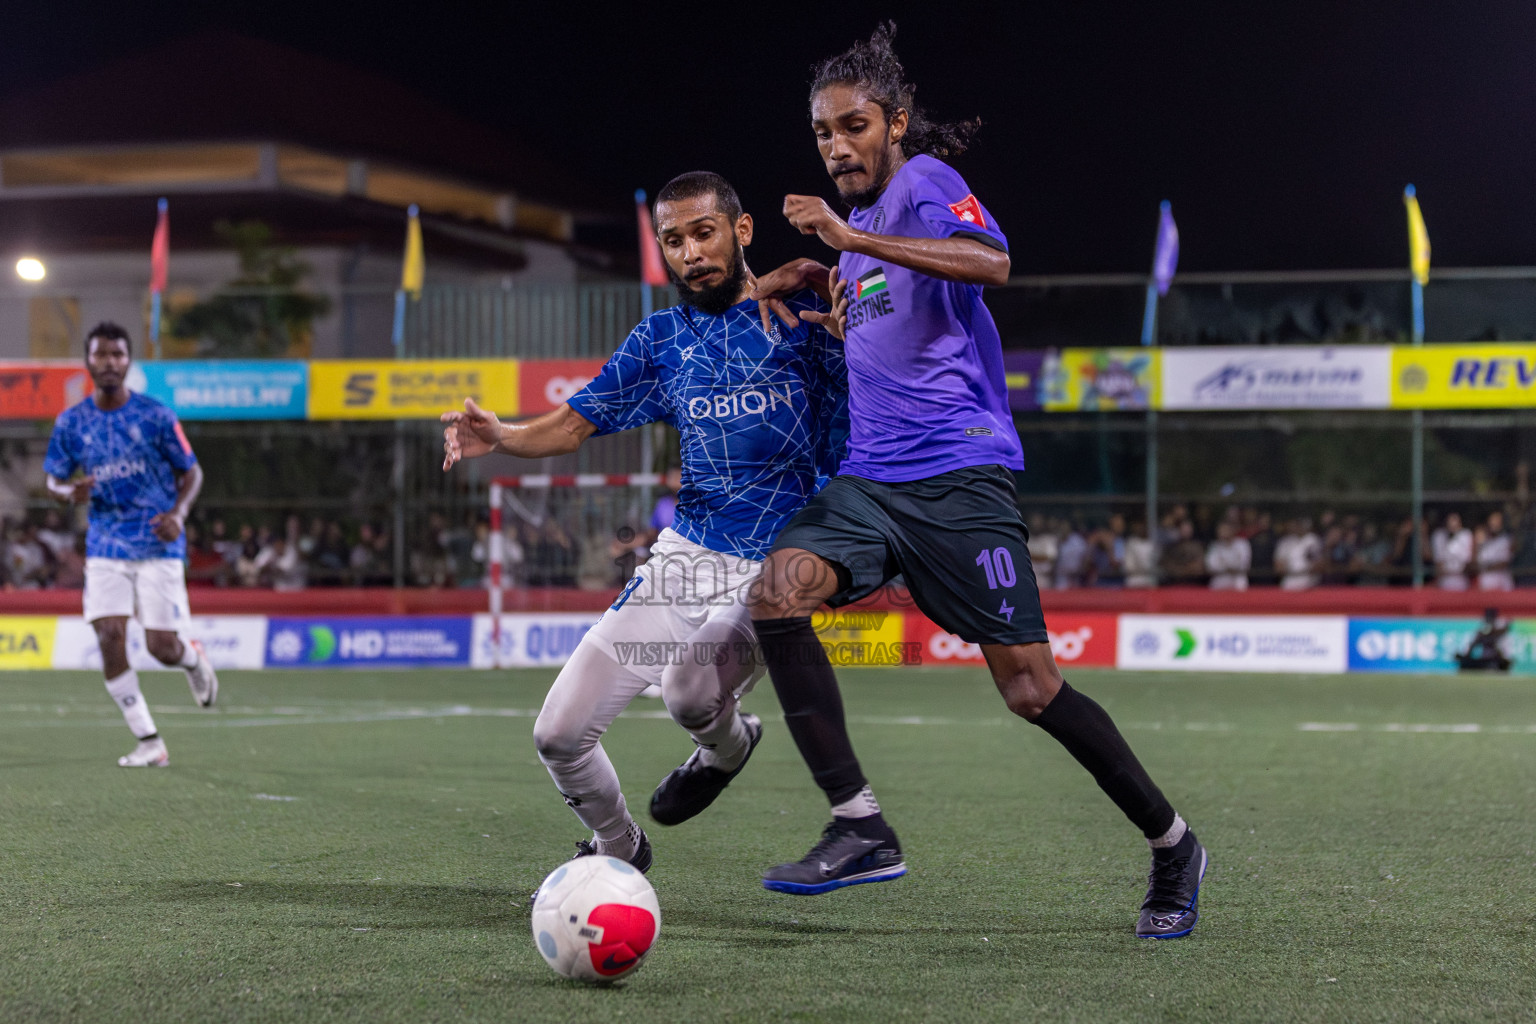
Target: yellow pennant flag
x,y
415,263
1418,237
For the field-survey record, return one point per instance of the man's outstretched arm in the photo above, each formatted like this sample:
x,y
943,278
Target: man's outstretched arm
x,y
476,432
957,258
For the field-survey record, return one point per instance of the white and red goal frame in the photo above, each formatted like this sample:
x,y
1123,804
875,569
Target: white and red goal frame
x,y
497,555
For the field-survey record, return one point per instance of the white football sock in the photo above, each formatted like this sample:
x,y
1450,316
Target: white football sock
x,y
1171,837
861,805
621,845
125,691
723,744
188,655
591,789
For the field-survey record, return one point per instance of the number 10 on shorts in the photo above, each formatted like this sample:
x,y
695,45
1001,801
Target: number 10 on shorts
x,y
997,563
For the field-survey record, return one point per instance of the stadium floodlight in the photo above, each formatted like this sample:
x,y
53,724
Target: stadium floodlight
x,y
30,268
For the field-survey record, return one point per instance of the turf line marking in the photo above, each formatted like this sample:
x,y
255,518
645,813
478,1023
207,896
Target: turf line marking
x,y
1329,727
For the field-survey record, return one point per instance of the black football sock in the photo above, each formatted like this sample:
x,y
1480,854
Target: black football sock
x,y
1089,735
813,708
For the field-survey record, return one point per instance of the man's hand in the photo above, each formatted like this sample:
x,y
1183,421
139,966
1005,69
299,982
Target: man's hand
x,y
796,275
167,525
469,434
812,216
80,490
836,321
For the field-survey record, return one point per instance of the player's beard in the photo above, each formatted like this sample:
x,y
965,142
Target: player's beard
x,y
716,299
880,176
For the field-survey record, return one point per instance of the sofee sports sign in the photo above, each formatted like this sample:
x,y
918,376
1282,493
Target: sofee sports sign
x,y
409,389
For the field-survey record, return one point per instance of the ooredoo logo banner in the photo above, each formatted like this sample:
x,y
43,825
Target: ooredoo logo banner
x,y
546,384
1086,639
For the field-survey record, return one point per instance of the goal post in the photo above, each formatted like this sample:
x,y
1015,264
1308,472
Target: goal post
x,y
535,498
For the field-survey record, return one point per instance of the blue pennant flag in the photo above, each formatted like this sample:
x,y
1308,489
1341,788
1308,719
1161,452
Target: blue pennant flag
x,y
1166,258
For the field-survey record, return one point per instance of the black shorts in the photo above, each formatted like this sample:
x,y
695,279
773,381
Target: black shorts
x,y
957,539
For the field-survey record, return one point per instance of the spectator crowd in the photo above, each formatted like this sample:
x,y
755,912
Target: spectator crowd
x,y
1243,547
1231,549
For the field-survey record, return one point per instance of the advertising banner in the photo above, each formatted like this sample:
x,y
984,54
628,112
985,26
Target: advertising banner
x,y
350,389
26,641
1429,645
545,384
1464,376
859,637
1234,643
1086,638
40,391
232,389
1022,372
231,641
398,641
1099,379
532,640
1276,377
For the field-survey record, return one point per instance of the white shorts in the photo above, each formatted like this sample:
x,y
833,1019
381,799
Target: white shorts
x,y
683,586
153,590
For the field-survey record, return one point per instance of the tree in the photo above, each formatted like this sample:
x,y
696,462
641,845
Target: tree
x,y
263,312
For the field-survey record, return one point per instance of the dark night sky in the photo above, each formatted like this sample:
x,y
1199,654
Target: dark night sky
x,y
1283,133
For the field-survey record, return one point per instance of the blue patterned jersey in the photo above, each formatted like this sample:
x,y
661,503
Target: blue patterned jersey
x,y
763,418
134,453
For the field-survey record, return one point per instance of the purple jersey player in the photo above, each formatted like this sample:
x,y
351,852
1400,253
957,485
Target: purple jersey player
x,y
926,489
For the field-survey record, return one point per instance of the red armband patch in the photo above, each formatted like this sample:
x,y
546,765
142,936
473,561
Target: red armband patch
x,y
969,210
181,436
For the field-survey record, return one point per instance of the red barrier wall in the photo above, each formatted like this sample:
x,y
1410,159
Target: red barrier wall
x,y
1177,600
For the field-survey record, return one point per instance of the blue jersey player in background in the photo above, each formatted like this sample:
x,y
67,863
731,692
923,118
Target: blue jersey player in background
x,y
760,411
137,470
927,489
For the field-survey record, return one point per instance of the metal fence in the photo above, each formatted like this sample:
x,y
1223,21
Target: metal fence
x,y
1085,466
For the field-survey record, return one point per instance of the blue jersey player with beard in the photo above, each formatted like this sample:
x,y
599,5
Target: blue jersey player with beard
x,y
760,409
927,489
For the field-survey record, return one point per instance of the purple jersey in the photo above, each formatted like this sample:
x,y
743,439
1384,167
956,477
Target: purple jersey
x,y
925,364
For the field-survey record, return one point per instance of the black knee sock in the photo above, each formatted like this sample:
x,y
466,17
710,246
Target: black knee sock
x,y
813,708
1089,735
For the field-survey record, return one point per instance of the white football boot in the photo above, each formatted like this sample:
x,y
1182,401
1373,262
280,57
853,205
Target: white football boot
x,y
148,754
202,679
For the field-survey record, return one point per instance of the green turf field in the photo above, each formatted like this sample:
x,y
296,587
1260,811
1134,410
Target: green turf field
x,y
359,846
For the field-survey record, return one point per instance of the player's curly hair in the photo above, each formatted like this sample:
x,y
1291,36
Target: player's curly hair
x,y
872,65
108,331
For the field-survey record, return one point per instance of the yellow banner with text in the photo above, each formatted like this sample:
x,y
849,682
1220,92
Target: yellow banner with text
x,y
1473,376
354,389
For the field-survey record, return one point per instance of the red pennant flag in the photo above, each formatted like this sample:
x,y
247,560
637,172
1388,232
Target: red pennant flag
x,y
160,251
653,269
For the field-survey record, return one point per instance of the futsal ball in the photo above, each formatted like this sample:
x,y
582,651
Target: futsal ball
x,y
595,919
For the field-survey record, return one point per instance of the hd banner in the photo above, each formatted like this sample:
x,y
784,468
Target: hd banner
x,y
349,389
397,641
1277,377
1234,643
